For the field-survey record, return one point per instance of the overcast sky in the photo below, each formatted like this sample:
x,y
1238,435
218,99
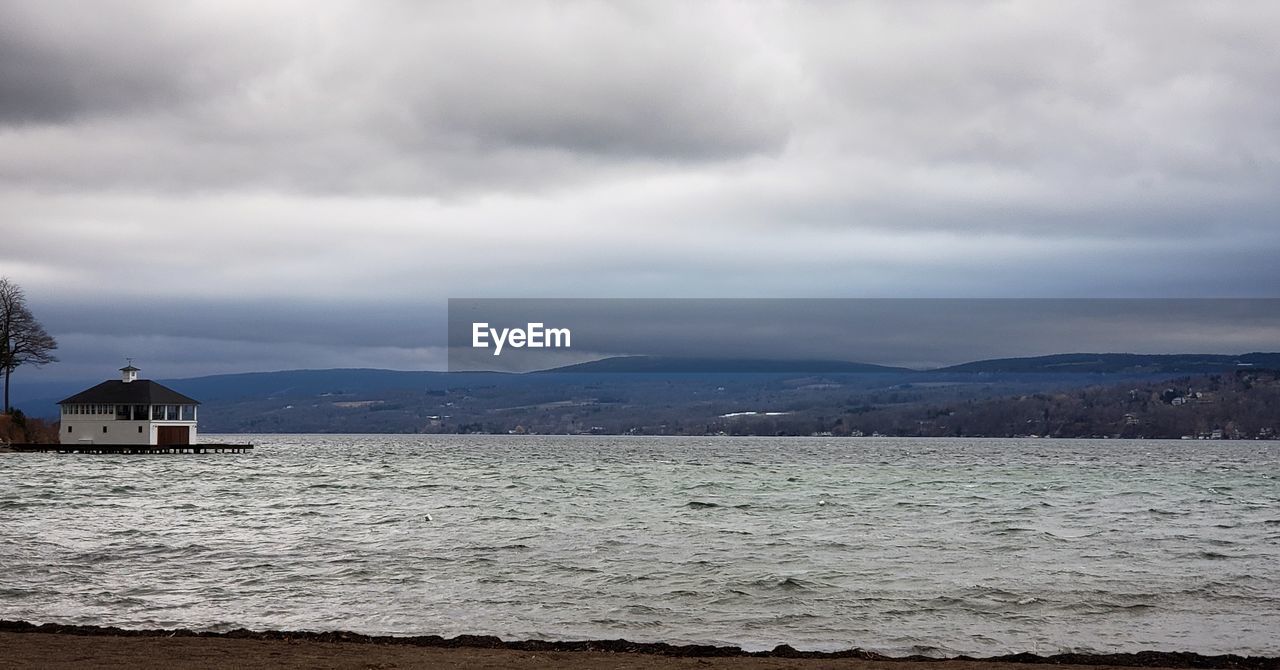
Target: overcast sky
x,y
224,186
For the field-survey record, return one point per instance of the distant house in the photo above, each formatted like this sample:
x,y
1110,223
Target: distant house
x,y
129,411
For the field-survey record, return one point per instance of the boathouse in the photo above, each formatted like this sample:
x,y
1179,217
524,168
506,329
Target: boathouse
x,y
128,411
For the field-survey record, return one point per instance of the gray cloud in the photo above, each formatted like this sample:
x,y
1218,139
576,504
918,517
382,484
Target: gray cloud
x,y
322,173
870,114
67,63
94,356
383,97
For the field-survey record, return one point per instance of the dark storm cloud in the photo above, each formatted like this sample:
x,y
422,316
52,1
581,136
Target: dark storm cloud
x,y
192,336
64,62
50,76
384,97
593,79
250,320
1096,119
1045,111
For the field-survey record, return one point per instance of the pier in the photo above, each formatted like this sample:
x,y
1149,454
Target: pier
x,y
132,448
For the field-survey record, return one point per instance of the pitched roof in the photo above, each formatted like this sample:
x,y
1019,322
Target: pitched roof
x,y
139,392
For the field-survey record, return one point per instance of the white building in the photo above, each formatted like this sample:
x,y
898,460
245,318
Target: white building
x,y
129,411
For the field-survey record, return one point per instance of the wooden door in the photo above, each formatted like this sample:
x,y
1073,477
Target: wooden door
x,y
173,435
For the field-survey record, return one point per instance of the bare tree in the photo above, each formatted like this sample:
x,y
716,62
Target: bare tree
x,y
22,339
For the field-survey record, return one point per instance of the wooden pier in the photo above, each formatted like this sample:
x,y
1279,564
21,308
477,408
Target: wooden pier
x,y
131,448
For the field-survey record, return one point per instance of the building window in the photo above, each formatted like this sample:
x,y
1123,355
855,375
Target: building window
x,y
104,429
139,429
139,412
122,412
68,429
157,412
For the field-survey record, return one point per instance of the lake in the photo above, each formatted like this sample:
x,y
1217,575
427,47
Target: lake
x,y
934,546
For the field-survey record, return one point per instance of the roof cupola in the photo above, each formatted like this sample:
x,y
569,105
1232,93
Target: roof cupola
x,y
128,373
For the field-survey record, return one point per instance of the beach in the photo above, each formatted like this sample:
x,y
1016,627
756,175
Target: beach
x,y
25,645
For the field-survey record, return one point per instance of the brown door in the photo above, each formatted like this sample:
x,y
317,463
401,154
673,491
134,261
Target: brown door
x,y
172,435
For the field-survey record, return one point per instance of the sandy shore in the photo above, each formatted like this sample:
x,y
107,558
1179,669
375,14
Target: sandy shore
x,y
24,645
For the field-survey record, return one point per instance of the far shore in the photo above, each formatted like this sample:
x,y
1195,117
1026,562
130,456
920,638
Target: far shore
x,y
23,644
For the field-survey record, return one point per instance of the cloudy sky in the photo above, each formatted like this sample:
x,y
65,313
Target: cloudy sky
x,y
224,186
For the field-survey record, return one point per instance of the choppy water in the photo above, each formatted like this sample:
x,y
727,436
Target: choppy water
x,y
898,545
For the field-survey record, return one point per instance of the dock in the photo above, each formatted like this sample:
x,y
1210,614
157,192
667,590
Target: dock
x,y
131,448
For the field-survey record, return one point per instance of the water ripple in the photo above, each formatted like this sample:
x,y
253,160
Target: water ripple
x,y
902,546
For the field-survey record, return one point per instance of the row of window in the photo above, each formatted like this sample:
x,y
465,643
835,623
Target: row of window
x,y
71,429
135,412
88,409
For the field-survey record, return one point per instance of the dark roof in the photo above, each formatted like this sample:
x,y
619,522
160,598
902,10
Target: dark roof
x,y
140,392
128,368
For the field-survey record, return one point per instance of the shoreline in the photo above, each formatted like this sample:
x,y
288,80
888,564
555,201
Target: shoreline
x,y
1146,659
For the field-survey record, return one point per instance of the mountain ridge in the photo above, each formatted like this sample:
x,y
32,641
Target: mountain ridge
x,y
613,391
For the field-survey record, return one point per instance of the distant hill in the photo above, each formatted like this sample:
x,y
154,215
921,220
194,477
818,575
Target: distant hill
x,y
292,383
699,396
1056,364
40,399
668,365
1121,364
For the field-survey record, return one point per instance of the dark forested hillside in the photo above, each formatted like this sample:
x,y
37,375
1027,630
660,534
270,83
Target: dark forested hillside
x,y
1241,404
1071,395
